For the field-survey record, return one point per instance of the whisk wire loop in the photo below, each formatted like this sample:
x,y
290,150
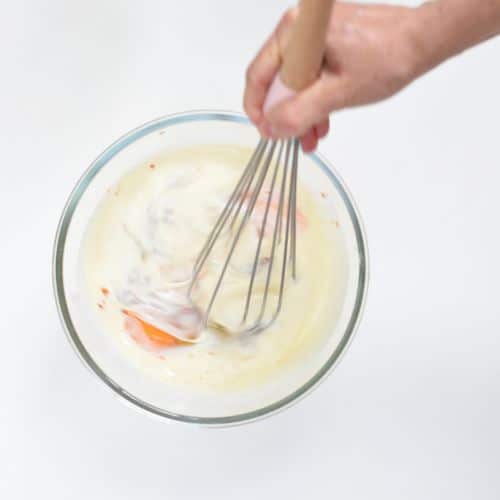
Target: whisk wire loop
x,y
235,216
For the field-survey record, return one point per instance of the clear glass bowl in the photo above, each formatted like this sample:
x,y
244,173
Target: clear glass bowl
x,y
94,347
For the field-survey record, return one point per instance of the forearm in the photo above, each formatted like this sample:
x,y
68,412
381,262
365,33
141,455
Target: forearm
x,y
444,28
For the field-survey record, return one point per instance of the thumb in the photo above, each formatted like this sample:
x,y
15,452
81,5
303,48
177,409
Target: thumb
x,y
294,116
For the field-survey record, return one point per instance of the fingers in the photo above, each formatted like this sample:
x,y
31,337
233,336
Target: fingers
x,y
322,128
259,76
263,69
295,116
309,140
306,114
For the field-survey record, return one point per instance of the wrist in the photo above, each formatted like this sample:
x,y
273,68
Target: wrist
x,y
428,40
444,28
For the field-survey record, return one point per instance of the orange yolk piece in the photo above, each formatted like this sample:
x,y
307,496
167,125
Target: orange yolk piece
x,y
155,335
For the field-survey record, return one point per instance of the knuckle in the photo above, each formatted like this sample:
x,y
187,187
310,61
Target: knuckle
x,y
251,77
245,105
249,74
289,16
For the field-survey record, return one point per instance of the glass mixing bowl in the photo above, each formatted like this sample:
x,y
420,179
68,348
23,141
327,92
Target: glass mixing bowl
x,y
92,344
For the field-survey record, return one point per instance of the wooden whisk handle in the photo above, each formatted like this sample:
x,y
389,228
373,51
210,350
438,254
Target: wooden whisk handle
x,y
304,53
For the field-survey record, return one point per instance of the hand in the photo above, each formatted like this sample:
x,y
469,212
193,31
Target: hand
x,y
371,54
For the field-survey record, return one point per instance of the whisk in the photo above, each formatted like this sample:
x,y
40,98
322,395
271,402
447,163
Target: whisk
x,y
274,164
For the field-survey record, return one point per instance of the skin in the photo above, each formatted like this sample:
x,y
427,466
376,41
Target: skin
x,y
372,52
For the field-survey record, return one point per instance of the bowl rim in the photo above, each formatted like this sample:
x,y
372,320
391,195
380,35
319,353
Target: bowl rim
x,y
72,335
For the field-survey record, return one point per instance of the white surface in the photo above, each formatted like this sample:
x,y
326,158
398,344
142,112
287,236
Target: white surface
x,y
412,411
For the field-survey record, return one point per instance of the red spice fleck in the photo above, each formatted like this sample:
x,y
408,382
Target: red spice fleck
x,y
152,166
162,132
337,223
104,291
100,306
323,194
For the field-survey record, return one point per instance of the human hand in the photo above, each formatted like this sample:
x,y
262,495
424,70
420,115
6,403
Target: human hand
x,y
371,53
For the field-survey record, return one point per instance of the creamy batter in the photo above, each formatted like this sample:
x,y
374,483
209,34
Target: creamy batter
x,y
138,257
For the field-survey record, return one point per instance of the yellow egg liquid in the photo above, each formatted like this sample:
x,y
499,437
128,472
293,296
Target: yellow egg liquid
x,y
142,243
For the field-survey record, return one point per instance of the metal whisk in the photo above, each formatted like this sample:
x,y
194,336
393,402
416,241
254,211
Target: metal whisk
x,y
301,64
277,163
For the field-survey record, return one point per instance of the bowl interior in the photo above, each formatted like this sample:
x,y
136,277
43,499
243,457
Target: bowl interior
x,y
95,347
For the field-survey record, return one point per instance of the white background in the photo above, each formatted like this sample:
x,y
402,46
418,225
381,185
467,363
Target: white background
x,y
413,410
